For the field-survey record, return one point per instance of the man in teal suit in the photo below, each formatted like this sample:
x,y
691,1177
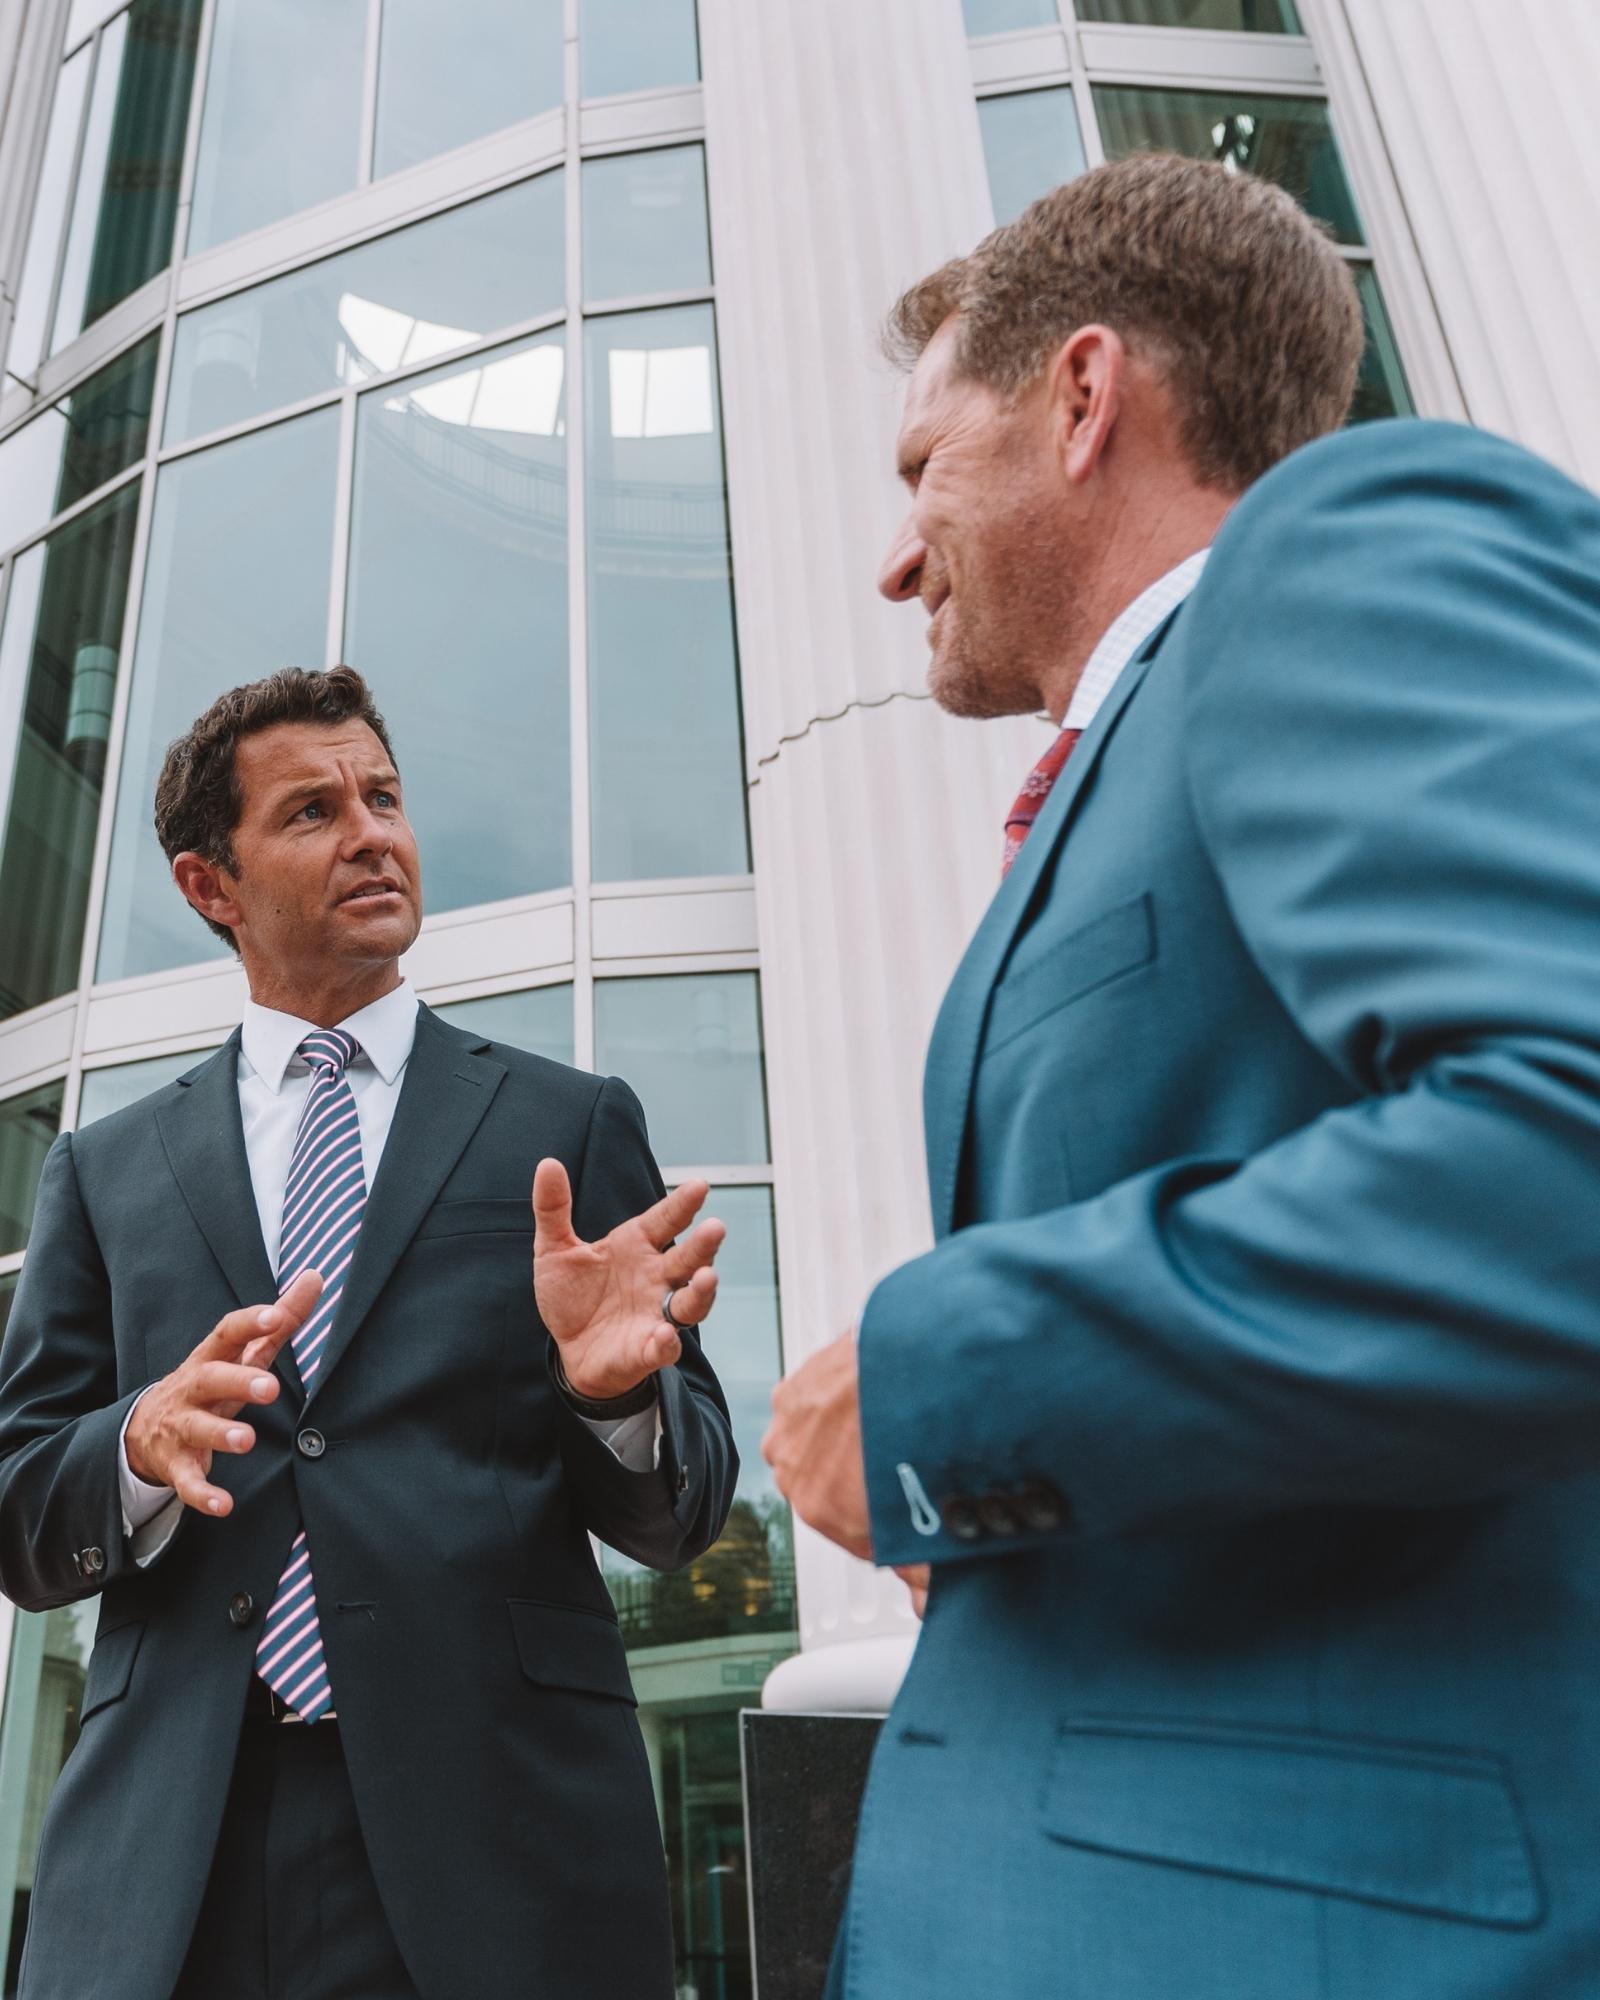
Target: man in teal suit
x,y
1247,1411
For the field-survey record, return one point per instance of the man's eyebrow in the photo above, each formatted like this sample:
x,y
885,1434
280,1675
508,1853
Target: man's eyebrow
x,y
385,777
910,453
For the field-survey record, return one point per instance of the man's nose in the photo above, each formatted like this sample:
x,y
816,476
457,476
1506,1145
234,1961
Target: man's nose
x,y
900,575
368,833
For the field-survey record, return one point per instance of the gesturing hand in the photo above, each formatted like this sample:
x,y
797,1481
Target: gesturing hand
x,y
182,1419
813,1445
602,1301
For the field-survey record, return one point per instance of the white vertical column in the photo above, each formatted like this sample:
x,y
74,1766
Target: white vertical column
x,y
844,162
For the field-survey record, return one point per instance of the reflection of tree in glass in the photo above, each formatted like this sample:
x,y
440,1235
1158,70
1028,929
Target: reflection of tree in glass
x,y
743,1583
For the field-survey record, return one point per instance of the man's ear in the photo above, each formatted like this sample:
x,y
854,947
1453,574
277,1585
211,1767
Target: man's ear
x,y
206,888
1086,388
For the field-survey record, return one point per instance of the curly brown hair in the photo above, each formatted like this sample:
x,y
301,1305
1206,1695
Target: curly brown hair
x,y
198,799
1221,279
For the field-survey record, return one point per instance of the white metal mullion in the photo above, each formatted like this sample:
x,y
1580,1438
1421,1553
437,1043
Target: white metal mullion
x,y
577,572
83,506
11,1261
47,345
191,136
339,567
1094,145
369,93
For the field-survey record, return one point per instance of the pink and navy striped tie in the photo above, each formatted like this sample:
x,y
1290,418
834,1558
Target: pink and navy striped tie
x,y
324,1199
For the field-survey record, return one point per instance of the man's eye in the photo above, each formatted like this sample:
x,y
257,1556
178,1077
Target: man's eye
x,y
385,799
312,809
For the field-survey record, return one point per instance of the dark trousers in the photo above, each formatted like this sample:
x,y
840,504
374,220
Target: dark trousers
x,y
291,1911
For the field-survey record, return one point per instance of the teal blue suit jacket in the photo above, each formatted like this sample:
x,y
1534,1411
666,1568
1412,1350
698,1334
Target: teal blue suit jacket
x,y
1254,1381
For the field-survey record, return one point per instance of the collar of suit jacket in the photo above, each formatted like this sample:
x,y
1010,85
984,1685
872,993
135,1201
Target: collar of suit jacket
x,y
386,1030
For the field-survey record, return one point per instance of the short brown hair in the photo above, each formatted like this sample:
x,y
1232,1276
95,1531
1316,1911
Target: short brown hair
x,y
198,800
1219,278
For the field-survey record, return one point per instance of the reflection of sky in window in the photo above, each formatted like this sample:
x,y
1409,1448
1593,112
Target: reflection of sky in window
x,y
660,392
381,338
521,393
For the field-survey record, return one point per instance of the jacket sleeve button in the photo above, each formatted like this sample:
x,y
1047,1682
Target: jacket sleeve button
x,y
960,1517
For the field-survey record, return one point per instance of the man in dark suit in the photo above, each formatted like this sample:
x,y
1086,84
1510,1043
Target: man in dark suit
x,y
365,1727
1247,1410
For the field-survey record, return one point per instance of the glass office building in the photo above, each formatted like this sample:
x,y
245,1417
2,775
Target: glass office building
x,y
521,354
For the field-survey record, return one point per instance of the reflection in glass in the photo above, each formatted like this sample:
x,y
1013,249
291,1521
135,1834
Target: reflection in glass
x,y
690,1046
28,1126
397,301
644,224
447,75
1251,17
744,1584
236,585
1283,139
636,45
702,1814
999,17
37,282
1031,143
108,1090
457,611
127,199
538,1019
1381,390
72,643
282,124
663,677
65,452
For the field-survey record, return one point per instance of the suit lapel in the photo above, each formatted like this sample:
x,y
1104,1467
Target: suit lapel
x,y
958,1031
204,1139
446,1092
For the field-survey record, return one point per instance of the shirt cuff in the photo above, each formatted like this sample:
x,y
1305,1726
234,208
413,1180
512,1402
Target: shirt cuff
x,y
150,1514
635,1442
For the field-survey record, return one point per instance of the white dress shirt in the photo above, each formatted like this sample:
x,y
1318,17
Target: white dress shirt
x,y
1126,634
274,1083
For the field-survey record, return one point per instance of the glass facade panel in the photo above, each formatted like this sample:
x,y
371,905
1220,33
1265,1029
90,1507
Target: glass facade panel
x,y
538,1019
999,17
37,283
1251,17
65,452
127,200
282,124
644,224
458,612
398,301
28,1126
1031,143
667,785
108,1090
447,75
702,1811
1381,390
690,1045
636,45
1283,139
236,584
54,804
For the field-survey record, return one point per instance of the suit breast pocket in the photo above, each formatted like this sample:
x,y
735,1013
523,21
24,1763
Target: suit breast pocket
x,y
1037,985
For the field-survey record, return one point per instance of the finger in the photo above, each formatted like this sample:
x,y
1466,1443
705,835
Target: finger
x,y
660,1350
695,1251
187,1474
673,1213
693,1301
552,1208
230,1385
206,1432
269,1325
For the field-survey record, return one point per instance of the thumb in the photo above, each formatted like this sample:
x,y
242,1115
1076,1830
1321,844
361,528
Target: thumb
x,y
552,1208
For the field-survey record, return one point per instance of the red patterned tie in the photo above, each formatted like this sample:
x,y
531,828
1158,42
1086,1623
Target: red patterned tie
x,y
1030,800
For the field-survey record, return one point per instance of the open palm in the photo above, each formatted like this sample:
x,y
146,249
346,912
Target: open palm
x,y
602,1301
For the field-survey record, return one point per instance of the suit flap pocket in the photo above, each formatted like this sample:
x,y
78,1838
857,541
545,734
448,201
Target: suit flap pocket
x,y
1095,953
565,1647
477,1214
1420,1829
110,1667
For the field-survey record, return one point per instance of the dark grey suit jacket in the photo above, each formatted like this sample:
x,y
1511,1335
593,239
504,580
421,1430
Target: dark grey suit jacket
x,y
482,1689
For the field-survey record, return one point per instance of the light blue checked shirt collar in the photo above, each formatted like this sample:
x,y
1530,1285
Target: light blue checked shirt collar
x,y
385,1029
1126,634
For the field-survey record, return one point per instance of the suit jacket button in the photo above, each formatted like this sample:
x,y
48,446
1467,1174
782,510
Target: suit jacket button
x,y
241,1609
311,1444
94,1562
960,1517
1039,1507
996,1514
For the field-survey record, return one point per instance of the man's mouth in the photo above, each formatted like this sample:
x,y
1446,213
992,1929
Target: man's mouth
x,y
371,891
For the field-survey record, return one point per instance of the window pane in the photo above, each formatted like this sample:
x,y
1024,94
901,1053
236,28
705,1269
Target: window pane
x,y
1032,144
665,751
59,770
65,452
637,45
644,224
49,217
404,298
1258,17
690,1046
282,121
236,585
127,197
108,1090
999,17
28,1125
458,613
1381,390
1283,139
447,75
539,1020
